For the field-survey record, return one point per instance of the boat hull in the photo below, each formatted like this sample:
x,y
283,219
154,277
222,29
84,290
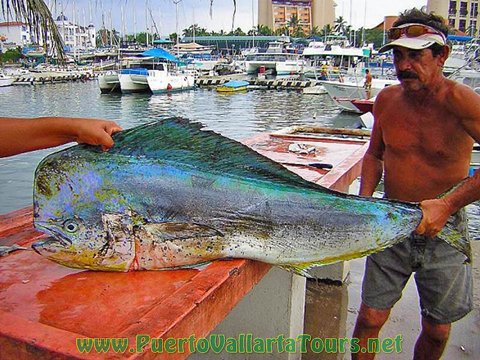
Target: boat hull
x,y
6,81
344,93
108,83
160,82
133,83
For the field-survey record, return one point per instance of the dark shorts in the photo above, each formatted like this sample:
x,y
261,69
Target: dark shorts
x,y
442,275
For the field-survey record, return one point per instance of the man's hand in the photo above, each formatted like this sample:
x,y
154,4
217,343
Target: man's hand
x,y
435,215
96,132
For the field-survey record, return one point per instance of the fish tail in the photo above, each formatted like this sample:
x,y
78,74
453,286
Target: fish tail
x,y
455,233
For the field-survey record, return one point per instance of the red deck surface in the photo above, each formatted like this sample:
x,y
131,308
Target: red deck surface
x,y
45,307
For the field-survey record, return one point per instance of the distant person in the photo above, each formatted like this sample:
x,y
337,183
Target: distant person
x,y
421,142
368,84
21,135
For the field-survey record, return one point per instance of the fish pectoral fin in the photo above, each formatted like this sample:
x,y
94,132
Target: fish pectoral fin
x,y
170,231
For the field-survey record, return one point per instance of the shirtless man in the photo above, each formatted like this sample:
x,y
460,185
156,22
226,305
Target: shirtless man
x,y
22,135
422,140
368,83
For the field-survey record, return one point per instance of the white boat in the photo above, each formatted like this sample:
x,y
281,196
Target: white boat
x,y
315,90
324,59
291,66
469,77
133,80
161,80
274,54
134,73
6,80
344,92
109,82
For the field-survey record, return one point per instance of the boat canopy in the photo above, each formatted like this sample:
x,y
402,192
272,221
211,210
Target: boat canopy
x,y
459,38
236,83
159,53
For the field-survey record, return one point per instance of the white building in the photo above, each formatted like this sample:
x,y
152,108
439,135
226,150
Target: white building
x,y
15,33
76,37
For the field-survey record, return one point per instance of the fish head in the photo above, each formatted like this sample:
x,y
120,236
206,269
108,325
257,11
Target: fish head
x,y
107,246
74,204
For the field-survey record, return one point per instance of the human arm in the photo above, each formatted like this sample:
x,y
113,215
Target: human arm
x,y
18,135
465,104
372,165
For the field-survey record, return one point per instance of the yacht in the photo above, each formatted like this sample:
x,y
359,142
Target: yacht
x,y
275,54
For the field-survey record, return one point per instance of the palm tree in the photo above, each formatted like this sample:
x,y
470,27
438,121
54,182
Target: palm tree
x,y
293,24
340,25
39,19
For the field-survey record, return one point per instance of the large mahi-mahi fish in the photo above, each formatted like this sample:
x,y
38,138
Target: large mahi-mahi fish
x,y
170,195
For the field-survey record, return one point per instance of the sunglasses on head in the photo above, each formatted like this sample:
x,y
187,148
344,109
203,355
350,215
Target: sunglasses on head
x,y
413,30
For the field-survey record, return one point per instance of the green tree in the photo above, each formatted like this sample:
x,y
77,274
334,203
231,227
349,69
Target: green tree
x,y
327,30
374,36
11,55
237,32
262,30
315,31
106,37
281,31
340,26
173,37
188,32
293,24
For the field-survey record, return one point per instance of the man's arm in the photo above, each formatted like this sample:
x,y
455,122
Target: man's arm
x,y
22,135
372,165
466,104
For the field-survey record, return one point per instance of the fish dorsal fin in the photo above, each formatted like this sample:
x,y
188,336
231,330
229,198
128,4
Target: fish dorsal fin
x,y
183,142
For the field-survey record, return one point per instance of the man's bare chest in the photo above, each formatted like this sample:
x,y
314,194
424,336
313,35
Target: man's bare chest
x,y
425,135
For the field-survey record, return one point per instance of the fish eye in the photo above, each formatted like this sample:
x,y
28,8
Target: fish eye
x,y
70,226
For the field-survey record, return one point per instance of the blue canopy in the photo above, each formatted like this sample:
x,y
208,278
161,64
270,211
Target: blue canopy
x,y
459,38
160,54
236,83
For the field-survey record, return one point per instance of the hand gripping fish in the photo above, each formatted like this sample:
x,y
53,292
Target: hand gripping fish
x,y
171,195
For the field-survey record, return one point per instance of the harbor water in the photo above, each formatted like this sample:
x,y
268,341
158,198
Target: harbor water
x,y
237,116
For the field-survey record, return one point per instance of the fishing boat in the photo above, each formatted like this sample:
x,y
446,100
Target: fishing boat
x,y
344,92
233,86
5,80
364,105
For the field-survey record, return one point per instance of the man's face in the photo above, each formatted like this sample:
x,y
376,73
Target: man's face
x,y
416,69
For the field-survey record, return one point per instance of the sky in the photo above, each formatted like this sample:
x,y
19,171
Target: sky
x,y
198,11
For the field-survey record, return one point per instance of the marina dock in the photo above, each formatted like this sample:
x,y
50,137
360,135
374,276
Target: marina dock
x,y
50,77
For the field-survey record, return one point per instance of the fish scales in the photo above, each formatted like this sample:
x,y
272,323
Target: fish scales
x,y
170,194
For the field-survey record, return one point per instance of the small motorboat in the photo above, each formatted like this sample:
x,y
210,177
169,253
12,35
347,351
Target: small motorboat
x,y
363,105
5,80
233,86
